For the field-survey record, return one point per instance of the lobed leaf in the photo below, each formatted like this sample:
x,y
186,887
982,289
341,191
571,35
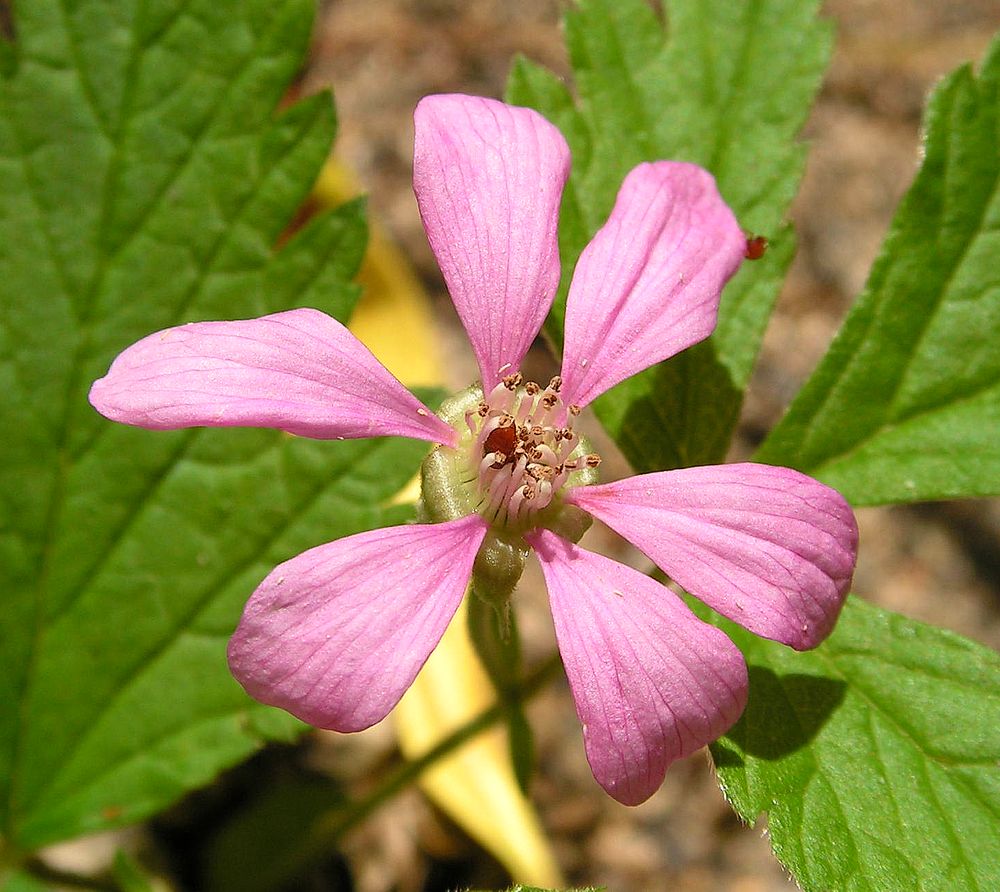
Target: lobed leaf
x,y
874,756
147,180
727,86
906,404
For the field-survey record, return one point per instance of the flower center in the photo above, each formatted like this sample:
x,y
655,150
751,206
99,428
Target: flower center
x,y
523,450
517,450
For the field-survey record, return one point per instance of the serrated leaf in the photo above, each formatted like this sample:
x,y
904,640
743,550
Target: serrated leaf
x,y
875,756
889,776
147,179
906,404
727,86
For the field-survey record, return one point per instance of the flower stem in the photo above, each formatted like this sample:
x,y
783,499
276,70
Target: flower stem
x,y
327,833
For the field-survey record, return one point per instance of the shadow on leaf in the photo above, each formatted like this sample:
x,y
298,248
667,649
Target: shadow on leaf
x,y
783,714
677,414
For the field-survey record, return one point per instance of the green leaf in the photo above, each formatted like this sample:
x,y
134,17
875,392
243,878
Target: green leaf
x,y
906,405
256,850
887,777
129,875
22,882
146,181
875,756
728,88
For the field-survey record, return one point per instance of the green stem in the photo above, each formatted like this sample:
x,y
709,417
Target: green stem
x,y
328,832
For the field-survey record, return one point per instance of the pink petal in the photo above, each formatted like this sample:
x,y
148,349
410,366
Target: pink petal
x,y
770,548
299,371
488,179
648,285
336,635
652,683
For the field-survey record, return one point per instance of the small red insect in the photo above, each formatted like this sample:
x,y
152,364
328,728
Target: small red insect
x,y
502,440
756,246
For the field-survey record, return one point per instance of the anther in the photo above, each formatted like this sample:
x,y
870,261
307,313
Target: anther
x,y
592,460
532,389
575,410
555,385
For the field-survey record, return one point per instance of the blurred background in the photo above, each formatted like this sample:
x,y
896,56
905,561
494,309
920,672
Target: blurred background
x,y
938,563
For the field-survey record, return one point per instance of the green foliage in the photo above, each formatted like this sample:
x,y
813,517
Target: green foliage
x,y
22,882
874,756
256,850
906,405
886,777
146,181
727,85
129,875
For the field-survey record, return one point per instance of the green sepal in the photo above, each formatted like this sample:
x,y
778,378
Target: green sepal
x,y
498,568
446,492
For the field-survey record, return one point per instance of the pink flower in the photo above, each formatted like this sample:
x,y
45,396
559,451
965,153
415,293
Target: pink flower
x,y
337,634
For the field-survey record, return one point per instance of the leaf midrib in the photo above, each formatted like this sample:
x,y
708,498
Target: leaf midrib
x,y
57,500
230,572
926,324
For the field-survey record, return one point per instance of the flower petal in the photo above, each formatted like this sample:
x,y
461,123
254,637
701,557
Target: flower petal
x,y
770,548
488,179
299,371
652,683
648,284
336,635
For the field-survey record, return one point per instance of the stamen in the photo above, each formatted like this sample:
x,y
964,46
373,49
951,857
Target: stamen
x,y
485,465
522,443
545,454
519,502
